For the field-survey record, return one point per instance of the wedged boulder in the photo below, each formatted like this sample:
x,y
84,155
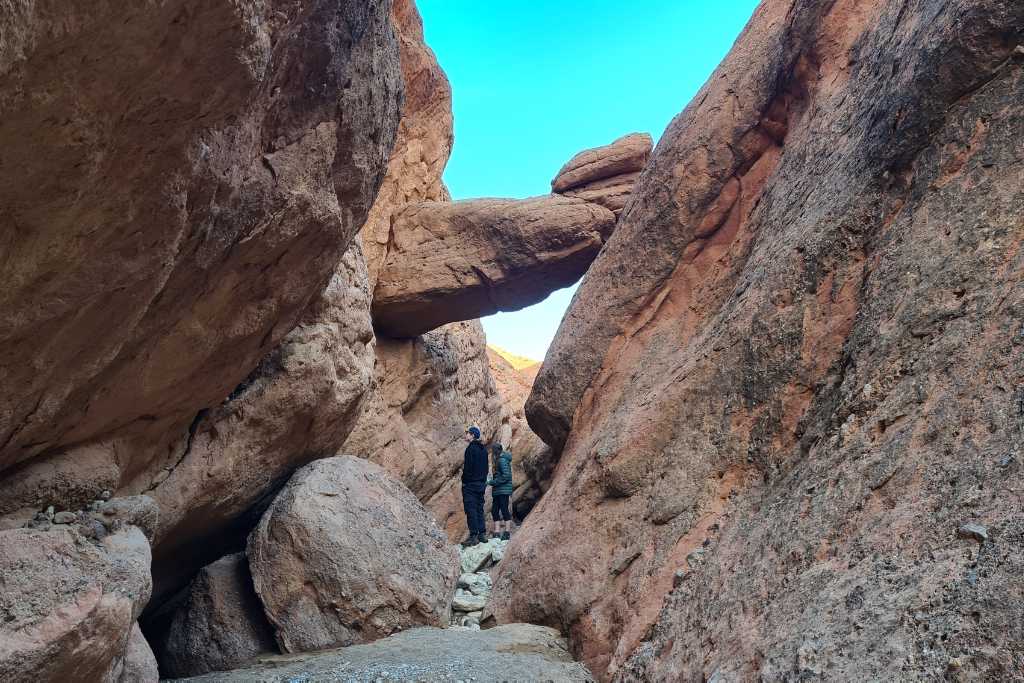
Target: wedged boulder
x,y
515,652
69,604
246,143
452,261
427,391
299,404
793,374
219,625
620,161
346,555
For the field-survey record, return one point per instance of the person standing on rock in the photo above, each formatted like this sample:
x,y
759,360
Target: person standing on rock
x,y
501,491
474,484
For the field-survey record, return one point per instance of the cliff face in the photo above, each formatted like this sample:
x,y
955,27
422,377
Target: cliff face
x,y
159,161
794,372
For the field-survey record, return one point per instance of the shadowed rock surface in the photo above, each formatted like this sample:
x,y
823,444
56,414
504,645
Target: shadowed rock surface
x,y
299,404
516,652
453,261
220,625
794,372
347,555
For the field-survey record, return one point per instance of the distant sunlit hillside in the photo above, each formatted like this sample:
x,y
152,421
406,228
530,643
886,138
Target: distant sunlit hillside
x,y
517,362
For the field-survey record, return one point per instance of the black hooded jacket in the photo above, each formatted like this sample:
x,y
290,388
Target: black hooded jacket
x,y
474,469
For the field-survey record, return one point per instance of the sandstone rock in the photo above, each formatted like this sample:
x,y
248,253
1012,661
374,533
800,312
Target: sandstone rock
x,y
219,626
611,193
299,404
346,554
241,172
68,605
424,139
137,665
778,358
426,392
626,155
518,652
453,261
974,531
475,557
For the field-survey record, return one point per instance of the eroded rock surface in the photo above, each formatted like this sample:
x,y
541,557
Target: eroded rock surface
x,y
427,391
346,555
605,175
245,144
794,372
220,624
453,261
69,603
518,652
299,404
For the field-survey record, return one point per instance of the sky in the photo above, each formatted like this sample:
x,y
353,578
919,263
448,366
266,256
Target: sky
x,y
536,81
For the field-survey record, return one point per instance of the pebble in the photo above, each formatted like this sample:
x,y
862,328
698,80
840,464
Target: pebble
x,y
973,531
64,517
678,577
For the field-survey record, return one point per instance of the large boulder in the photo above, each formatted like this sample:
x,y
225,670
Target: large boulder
x,y
346,555
793,374
299,404
137,665
605,175
69,603
184,190
516,652
453,261
220,624
427,391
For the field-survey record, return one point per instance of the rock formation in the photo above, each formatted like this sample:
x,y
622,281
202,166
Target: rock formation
x,y
453,261
532,460
182,192
219,625
605,175
427,390
299,404
794,372
347,555
518,652
69,603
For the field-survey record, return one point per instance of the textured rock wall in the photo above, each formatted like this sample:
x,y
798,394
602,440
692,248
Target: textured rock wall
x,y
188,175
795,370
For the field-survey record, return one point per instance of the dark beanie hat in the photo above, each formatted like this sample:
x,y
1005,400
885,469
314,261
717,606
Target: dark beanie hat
x,y
475,431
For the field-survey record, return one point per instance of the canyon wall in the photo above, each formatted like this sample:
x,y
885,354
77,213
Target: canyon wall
x,y
788,393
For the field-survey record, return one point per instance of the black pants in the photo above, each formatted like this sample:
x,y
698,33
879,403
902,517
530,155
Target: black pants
x,y
499,508
473,504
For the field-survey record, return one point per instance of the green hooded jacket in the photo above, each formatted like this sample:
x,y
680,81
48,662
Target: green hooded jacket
x,y
502,481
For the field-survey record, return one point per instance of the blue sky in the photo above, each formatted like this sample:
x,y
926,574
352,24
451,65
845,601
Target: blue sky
x,y
536,81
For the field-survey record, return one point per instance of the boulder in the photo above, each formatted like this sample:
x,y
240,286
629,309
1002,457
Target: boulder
x,y
68,604
464,601
299,404
220,625
477,584
773,377
346,554
246,145
611,193
453,261
517,652
138,665
626,156
426,392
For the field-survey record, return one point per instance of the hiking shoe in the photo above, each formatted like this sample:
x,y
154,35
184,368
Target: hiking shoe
x,y
496,535
506,536
483,537
471,541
